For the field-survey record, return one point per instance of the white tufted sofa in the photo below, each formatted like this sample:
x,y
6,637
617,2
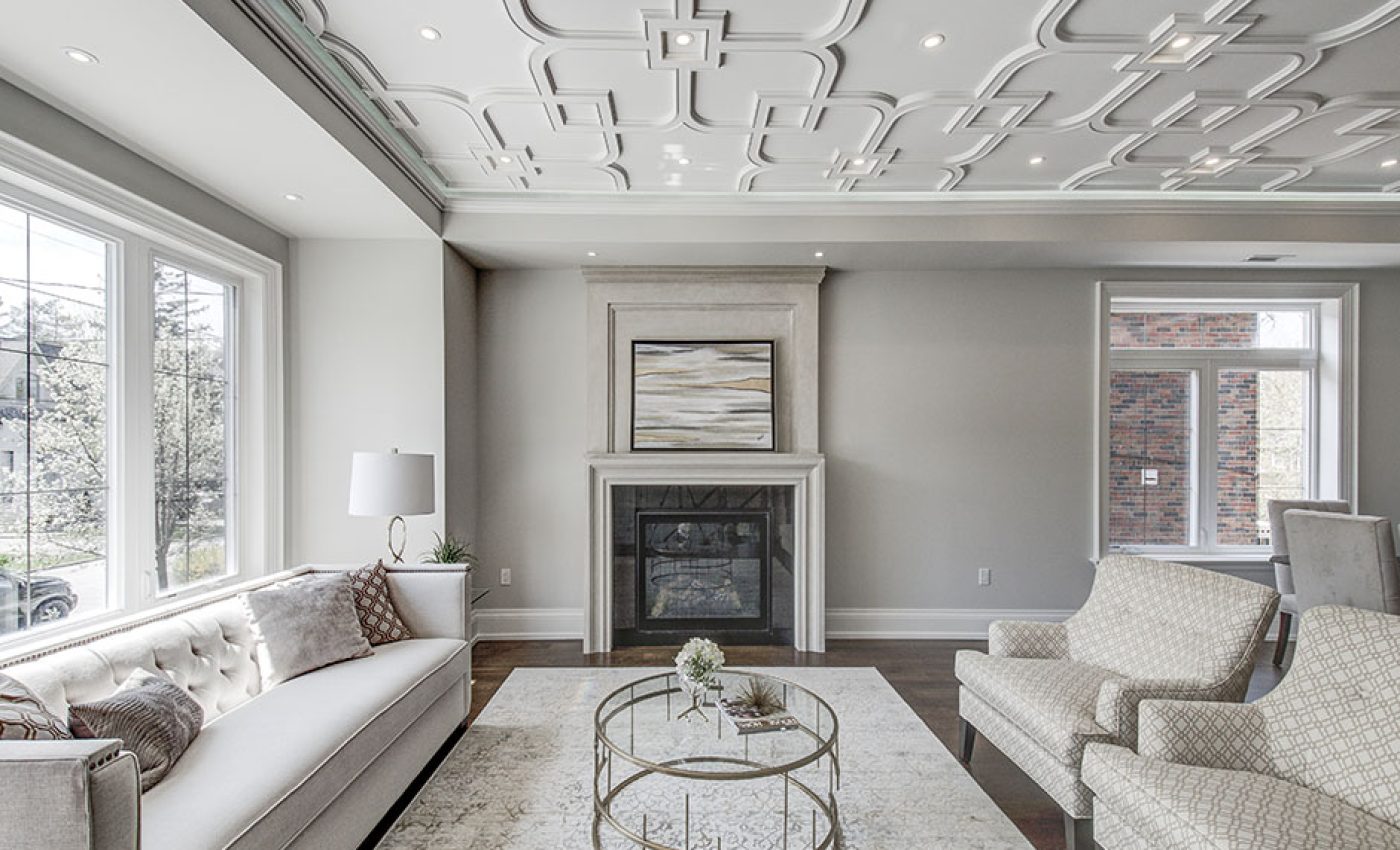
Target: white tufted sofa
x,y
315,762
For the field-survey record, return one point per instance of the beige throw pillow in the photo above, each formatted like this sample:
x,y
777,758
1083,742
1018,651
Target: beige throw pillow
x,y
23,716
304,625
154,718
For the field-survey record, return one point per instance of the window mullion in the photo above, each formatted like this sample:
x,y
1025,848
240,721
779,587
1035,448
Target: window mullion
x,y
1208,471
134,485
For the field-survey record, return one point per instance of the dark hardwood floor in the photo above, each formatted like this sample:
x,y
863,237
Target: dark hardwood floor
x,y
921,671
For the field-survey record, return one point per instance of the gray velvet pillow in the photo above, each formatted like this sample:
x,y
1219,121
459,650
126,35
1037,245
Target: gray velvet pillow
x,y
154,718
304,625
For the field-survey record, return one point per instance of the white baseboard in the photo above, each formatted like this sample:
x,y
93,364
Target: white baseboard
x,y
841,623
527,624
925,623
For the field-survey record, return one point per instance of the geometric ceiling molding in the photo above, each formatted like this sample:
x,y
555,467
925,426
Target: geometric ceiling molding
x,y
743,96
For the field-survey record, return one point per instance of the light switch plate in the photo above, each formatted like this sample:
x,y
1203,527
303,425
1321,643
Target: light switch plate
x,y
505,576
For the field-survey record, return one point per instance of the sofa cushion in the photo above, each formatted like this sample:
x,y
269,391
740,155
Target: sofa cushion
x,y
379,619
23,716
258,774
1052,700
1171,805
304,625
154,718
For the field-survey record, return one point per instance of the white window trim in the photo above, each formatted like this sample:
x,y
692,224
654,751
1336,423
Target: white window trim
x,y
1335,388
56,189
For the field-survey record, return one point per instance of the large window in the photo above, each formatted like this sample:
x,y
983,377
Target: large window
x,y
1213,405
139,419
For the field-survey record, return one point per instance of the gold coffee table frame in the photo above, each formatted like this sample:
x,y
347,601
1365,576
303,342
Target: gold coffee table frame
x,y
822,731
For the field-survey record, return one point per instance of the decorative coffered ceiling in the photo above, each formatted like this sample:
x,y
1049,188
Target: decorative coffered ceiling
x,y
842,96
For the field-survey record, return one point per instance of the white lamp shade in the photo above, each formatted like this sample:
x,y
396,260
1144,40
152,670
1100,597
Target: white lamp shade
x,y
390,484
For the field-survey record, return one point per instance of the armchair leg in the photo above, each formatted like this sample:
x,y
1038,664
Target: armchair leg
x,y
1079,833
1285,625
967,736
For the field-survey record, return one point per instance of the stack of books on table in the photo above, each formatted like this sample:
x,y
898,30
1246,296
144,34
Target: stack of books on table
x,y
746,721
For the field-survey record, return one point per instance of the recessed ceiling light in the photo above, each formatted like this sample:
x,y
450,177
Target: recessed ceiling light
x,y
933,40
505,160
1212,161
685,160
292,196
1182,41
684,39
82,57
1390,163
1036,160
592,253
819,254
430,34
858,161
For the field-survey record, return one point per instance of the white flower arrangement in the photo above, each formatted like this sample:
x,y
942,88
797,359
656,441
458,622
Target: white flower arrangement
x,y
699,660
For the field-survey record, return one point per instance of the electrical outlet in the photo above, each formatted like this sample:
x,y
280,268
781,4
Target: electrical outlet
x,y
505,576
984,576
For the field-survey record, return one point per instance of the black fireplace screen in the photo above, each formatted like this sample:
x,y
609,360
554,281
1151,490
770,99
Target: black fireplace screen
x,y
702,570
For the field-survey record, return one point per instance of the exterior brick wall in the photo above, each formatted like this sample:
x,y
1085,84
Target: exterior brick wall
x,y
1150,427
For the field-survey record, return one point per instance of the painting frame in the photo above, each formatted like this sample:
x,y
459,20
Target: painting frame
x,y
715,441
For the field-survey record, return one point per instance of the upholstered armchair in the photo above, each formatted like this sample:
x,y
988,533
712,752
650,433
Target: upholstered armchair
x,y
1313,765
1282,560
1149,629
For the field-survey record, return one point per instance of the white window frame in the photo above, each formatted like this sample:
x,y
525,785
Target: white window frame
x,y
1332,427
142,232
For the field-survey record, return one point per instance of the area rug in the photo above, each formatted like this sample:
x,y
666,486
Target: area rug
x,y
521,776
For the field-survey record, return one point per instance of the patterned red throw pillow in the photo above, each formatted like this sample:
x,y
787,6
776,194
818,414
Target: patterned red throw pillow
x,y
378,619
23,716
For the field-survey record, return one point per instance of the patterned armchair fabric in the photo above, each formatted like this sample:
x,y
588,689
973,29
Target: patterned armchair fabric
x,y
1148,630
1314,764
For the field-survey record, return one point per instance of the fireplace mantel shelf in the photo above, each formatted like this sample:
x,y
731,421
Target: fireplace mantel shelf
x,y
716,462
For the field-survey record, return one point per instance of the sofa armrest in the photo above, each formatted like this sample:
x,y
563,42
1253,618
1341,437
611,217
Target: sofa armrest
x,y
69,795
1226,735
1117,707
1027,639
434,600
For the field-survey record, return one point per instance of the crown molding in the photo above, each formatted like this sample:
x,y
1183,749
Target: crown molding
x,y
809,275
936,204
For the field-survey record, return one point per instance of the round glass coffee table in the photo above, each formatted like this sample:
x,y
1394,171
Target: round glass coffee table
x,y
666,782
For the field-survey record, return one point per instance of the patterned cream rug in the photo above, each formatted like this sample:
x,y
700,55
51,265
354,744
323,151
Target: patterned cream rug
x,y
521,778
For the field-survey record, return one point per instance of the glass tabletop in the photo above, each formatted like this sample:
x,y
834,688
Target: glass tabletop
x,y
646,722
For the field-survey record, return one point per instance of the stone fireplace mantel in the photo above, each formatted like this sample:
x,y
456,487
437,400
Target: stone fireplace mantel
x,y
803,472
626,304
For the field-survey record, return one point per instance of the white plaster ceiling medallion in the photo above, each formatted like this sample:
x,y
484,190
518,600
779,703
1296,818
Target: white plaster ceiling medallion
x,y
783,97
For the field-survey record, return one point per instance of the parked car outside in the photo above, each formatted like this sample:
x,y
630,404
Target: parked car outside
x,y
36,600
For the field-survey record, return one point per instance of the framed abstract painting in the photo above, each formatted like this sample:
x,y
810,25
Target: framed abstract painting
x,y
702,396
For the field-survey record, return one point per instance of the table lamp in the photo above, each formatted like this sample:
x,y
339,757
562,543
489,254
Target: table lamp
x,y
393,485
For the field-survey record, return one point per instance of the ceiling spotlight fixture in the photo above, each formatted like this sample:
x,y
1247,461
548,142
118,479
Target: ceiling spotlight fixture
x,y
592,253
933,40
858,161
505,160
1213,161
685,160
1390,163
1036,160
819,255
292,196
1182,42
430,34
684,39
82,57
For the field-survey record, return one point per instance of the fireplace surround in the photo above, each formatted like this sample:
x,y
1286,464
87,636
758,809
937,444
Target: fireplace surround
x,y
706,303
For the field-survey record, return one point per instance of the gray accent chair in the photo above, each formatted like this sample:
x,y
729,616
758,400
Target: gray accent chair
x,y
1282,561
1150,629
1344,560
1313,765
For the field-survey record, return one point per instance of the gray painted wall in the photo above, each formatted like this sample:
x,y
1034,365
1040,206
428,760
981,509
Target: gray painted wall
x,y
459,330
957,421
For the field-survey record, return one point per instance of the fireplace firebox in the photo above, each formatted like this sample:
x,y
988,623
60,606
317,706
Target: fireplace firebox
x,y
702,571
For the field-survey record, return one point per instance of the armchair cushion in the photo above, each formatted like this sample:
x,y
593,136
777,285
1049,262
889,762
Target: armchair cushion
x,y
1205,734
1027,639
1117,707
1167,805
1052,700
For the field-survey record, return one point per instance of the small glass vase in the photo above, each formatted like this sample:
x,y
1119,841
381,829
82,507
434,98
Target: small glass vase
x,y
696,689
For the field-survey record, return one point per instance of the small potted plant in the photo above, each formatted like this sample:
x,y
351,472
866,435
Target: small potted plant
x,y
697,666
449,550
